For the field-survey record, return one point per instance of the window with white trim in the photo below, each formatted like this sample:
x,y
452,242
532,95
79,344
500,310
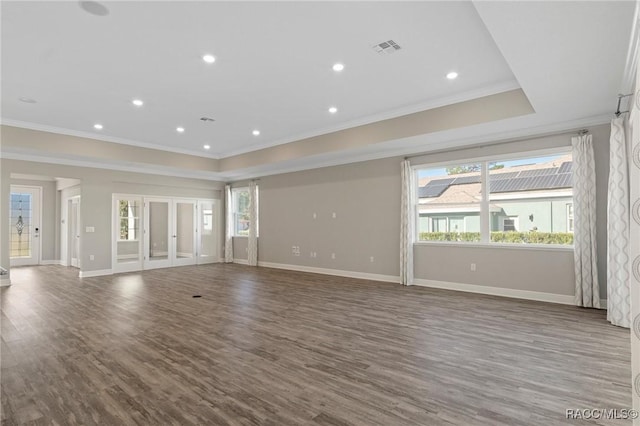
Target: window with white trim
x,y
521,200
240,204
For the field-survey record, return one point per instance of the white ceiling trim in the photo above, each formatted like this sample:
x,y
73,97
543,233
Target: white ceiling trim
x,y
459,140
112,165
431,104
98,137
418,145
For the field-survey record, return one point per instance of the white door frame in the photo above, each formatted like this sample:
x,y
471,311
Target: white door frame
x,y
74,235
35,243
172,259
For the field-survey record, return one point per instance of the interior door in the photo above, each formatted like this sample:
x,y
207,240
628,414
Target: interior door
x,y
74,231
184,232
159,246
207,232
25,226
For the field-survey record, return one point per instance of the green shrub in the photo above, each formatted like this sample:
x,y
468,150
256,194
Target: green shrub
x,y
533,237
450,236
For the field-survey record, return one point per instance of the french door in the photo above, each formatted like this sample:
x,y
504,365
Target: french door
x,y
152,232
25,227
170,233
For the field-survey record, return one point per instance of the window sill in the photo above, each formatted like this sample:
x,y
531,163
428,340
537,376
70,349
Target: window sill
x,y
543,247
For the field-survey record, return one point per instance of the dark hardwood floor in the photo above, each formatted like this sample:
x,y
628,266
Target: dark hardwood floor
x,y
270,347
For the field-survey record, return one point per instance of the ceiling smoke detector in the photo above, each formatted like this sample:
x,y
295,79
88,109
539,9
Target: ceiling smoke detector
x,y
207,119
386,47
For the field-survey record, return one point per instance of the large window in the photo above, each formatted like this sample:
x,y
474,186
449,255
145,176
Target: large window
x,y
524,200
241,204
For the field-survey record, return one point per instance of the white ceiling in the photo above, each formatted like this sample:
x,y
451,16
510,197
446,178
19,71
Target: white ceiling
x,y
273,68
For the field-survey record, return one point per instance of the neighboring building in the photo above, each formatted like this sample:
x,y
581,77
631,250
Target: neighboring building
x,y
534,197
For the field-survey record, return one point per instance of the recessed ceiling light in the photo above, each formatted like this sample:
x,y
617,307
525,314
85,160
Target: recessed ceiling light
x,y
27,100
206,147
256,132
333,110
97,126
452,75
338,67
180,129
209,58
137,102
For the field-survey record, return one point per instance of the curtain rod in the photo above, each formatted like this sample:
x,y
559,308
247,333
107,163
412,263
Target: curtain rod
x,y
620,96
504,142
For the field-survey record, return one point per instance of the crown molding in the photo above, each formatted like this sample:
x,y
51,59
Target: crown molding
x,y
102,138
398,112
11,154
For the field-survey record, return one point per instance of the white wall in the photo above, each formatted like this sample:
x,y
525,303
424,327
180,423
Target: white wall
x,y
366,198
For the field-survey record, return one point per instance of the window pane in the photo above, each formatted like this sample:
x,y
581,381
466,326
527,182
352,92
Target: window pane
x,y
529,198
449,203
20,221
241,211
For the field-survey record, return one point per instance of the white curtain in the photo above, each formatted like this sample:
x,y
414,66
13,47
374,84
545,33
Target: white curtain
x,y
618,295
228,229
634,245
584,212
407,223
253,224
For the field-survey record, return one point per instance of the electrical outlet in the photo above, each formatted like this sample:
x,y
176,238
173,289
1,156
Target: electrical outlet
x,y
333,255
334,215
371,259
473,267
315,215
92,257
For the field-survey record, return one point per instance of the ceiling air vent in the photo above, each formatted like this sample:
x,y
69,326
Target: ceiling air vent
x,y
206,119
386,47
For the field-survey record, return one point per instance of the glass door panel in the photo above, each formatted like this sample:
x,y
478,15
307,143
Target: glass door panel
x,y
207,232
128,234
184,235
158,251
24,247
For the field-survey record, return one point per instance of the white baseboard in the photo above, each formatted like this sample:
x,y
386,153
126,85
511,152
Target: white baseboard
x,y
336,272
503,292
96,273
52,262
5,282
241,261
